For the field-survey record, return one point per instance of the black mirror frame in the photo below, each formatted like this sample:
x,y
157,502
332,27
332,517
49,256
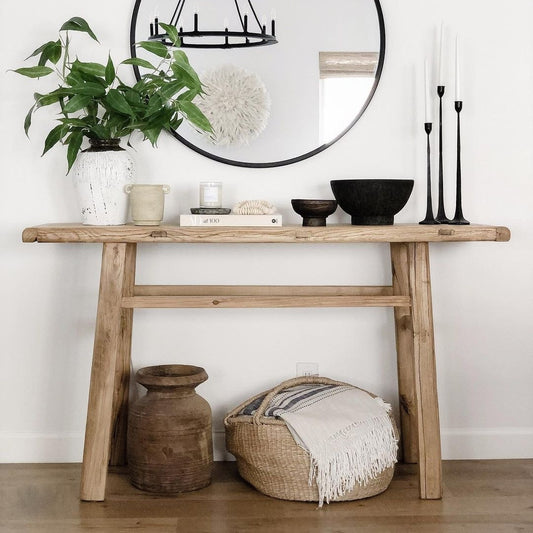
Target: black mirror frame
x,y
293,159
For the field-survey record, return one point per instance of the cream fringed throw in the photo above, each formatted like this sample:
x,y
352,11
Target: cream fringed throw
x,y
347,433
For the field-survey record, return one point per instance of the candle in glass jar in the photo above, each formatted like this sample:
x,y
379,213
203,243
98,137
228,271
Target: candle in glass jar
x,y
211,194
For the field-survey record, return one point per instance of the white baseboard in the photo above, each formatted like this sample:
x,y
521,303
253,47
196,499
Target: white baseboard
x,y
41,447
66,447
463,443
487,443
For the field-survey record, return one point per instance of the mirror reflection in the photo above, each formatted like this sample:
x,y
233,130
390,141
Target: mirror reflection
x,y
276,104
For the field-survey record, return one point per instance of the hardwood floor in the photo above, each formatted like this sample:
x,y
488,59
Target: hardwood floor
x,y
479,496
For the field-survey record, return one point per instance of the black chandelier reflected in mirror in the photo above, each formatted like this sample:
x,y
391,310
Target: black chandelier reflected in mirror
x,y
201,38
317,88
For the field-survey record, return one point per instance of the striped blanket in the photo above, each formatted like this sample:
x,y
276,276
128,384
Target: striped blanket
x,y
347,432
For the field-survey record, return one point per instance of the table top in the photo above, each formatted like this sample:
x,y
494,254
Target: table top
x,y
342,233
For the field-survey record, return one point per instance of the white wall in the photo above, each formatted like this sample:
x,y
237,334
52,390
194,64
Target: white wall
x,y
482,292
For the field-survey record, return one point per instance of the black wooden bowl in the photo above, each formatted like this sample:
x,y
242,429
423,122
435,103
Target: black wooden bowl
x,y
314,212
372,202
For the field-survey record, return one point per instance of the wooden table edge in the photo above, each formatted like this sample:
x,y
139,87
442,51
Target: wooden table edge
x,y
341,233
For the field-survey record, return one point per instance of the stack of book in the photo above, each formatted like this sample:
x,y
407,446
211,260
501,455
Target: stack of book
x,y
230,220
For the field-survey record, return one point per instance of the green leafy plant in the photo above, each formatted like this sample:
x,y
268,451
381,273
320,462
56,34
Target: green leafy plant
x,y
95,103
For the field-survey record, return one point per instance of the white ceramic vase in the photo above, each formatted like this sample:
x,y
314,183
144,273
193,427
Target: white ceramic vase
x,y
100,175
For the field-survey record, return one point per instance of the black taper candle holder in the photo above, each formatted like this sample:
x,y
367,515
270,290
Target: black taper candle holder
x,y
430,219
458,217
441,215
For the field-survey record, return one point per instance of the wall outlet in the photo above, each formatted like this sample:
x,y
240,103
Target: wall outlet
x,y
306,369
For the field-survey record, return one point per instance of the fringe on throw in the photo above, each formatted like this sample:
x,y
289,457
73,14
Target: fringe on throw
x,y
357,454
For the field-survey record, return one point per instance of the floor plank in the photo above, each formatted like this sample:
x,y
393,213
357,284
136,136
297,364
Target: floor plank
x,y
479,496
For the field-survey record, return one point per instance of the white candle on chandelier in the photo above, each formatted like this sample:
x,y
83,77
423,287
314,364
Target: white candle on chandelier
x,y
457,71
427,93
441,54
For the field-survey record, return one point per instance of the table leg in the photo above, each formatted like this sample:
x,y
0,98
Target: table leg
x,y
107,342
119,426
403,321
425,375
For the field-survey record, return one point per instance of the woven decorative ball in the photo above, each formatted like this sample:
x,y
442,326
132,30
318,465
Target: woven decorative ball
x,y
269,458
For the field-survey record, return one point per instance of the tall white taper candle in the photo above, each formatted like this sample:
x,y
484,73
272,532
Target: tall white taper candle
x,y
457,70
427,93
441,56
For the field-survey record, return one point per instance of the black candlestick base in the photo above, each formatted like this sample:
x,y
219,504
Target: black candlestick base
x,y
459,221
430,219
458,218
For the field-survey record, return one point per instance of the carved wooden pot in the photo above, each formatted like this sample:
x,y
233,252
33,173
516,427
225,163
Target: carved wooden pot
x,y
170,447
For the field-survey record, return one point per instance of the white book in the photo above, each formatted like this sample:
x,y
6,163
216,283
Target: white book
x,y
230,220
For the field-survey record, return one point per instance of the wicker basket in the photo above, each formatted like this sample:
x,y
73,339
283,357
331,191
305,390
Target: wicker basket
x,y
269,458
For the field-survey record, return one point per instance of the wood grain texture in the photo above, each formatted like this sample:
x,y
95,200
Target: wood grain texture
x,y
283,234
481,497
107,343
240,302
403,322
425,373
123,364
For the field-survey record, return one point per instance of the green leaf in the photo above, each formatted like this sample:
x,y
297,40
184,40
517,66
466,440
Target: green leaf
x,y
195,116
157,48
74,78
180,56
139,62
34,72
110,71
99,131
185,72
53,138
132,97
88,89
92,109
78,24
52,52
76,103
55,52
172,33
95,69
39,50
152,134
42,100
74,146
117,102
188,96
170,89
175,123
27,120
77,122
154,105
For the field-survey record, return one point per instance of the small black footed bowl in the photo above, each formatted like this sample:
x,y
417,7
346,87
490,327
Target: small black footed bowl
x,y
314,212
372,202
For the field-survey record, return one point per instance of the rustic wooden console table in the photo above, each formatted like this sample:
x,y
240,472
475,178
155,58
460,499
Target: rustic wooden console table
x,y
409,294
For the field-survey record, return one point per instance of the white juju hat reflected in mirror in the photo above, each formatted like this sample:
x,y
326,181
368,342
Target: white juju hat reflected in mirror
x,y
236,103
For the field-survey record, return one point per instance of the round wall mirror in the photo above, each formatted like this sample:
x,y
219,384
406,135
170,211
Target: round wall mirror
x,y
278,104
